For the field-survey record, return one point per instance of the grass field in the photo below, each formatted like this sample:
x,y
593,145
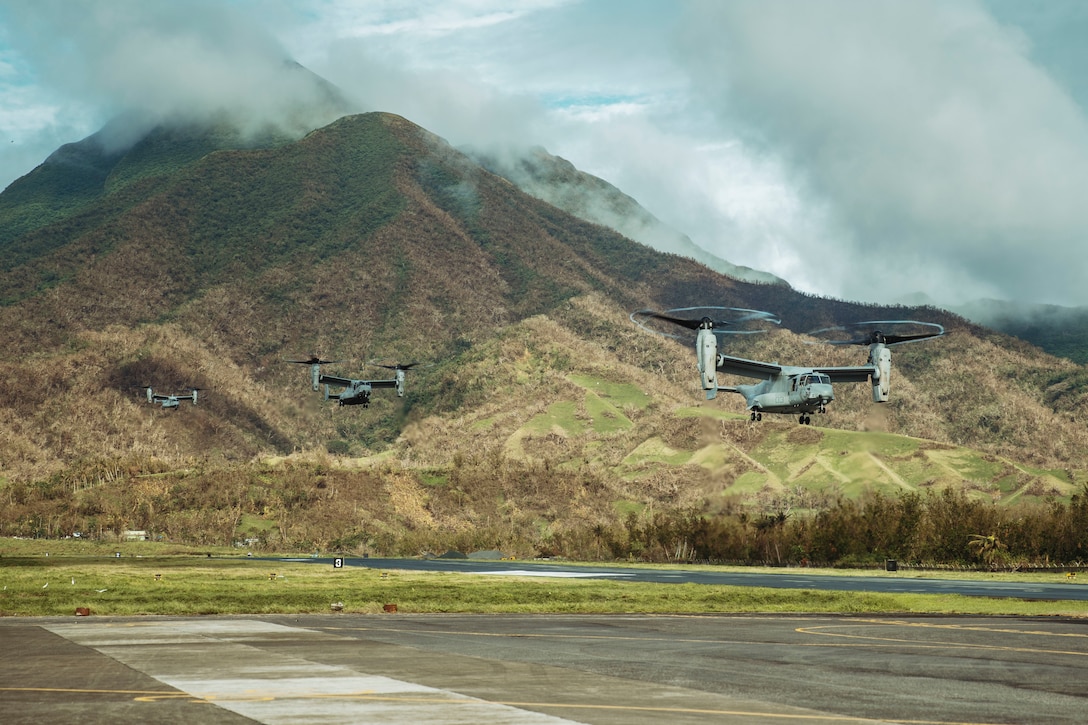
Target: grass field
x,y
53,578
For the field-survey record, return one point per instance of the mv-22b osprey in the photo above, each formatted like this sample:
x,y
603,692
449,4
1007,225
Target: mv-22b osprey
x,y
171,401
355,392
791,389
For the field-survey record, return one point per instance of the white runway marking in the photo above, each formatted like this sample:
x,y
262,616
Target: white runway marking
x,y
557,574
211,661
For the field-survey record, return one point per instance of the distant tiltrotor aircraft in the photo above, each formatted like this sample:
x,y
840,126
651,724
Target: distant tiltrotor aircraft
x,y
355,392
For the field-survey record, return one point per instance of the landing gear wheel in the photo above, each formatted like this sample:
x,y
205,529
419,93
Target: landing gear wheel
x,y
756,416
805,420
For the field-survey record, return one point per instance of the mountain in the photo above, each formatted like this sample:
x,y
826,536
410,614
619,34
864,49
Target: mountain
x,y
1061,331
137,146
557,181
186,260
368,237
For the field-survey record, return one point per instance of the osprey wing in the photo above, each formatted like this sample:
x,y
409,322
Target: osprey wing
x,y
849,373
747,368
333,380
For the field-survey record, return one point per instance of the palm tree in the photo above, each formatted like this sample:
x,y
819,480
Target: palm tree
x,y
988,548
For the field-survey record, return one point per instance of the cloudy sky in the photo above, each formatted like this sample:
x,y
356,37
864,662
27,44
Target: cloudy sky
x,y
861,149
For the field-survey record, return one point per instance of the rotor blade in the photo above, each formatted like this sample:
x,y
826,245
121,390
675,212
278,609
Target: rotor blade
x,y
720,320
856,341
399,366
876,335
757,315
896,339
314,360
690,323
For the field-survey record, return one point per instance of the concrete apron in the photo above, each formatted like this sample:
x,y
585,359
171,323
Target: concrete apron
x,y
210,661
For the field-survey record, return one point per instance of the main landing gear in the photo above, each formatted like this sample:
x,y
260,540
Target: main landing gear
x,y
804,420
757,416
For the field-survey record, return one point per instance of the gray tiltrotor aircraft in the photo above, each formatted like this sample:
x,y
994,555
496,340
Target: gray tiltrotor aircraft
x,y
355,392
790,389
171,401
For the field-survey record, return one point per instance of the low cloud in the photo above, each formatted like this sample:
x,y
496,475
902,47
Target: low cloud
x,y
948,162
180,61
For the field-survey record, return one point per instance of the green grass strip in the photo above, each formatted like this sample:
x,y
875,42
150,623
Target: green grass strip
x,y
187,585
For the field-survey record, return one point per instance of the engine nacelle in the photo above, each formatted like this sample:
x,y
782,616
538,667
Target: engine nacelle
x,y
315,378
706,349
194,396
881,358
400,383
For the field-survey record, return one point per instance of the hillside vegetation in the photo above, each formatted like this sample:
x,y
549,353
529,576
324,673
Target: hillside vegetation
x,y
549,422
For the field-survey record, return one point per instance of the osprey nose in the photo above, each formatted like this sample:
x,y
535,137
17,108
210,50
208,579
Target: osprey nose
x,y
821,392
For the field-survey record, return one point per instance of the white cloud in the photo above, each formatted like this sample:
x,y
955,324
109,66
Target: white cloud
x,y
163,59
951,163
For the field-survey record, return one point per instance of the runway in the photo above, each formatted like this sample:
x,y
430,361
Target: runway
x,y
1058,590
600,670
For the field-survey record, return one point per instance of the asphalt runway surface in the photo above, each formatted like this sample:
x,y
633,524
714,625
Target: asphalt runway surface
x,y
547,669
1070,590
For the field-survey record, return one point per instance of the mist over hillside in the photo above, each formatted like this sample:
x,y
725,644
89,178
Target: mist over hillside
x,y
1061,331
558,182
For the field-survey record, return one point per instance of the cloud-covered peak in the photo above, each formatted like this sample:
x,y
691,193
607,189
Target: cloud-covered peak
x,y
172,61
